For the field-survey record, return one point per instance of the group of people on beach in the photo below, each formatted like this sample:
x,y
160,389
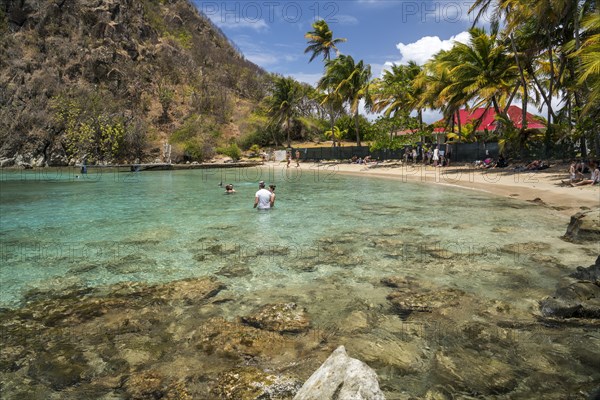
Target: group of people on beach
x,y
577,171
288,157
429,156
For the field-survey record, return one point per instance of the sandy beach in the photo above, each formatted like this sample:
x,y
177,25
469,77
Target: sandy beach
x,y
542,187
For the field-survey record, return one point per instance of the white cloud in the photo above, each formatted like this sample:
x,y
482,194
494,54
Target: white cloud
x,y
311,79
239,23
424,48
343,19
377,3
262,59
377,69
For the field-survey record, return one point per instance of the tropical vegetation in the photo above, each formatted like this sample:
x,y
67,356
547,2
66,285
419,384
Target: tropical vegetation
x,y
543,54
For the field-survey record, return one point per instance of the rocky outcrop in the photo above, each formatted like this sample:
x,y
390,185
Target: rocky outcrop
x,y
577,297
584,227
341,378
110,61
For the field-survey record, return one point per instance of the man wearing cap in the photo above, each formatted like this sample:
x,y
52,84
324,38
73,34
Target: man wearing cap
x,y
263,198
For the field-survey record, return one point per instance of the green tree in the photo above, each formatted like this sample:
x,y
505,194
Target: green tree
x,y
396,93
321,42
351,82
283,104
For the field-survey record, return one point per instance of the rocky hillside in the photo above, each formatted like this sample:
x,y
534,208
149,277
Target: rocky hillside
x,y
114,80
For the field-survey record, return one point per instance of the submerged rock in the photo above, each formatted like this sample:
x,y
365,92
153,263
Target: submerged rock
x,y
150,385
399,281
341,378
280,317
60,366
234,270
406,301
238,342
249,383
478,373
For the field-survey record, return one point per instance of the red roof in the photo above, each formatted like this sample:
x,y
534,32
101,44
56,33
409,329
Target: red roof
x,y
488,118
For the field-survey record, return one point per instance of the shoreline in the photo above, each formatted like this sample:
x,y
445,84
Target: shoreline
x,y
542,187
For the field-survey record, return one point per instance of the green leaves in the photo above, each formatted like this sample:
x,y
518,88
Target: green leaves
x,y
90,130
321,41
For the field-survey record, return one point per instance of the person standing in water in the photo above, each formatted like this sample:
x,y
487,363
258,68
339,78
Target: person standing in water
x,y
272,190
263,198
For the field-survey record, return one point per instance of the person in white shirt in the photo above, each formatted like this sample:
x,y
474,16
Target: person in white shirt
x,y
263,197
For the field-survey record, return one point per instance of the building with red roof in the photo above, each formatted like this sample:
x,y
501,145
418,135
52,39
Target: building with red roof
x,y
487,118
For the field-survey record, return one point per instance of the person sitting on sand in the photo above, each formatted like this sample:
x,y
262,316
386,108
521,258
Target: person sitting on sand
x,y
501,162
594,178
534,165
487,163
574,174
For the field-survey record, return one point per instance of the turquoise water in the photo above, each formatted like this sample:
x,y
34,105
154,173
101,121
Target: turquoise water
x,y
327,244
61,230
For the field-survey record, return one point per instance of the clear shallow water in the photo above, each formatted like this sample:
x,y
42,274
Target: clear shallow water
x,y
326,245
109,227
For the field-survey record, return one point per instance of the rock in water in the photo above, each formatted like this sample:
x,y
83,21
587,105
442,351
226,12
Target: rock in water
x,y
279,317
592,273
576,299
341,378
584,226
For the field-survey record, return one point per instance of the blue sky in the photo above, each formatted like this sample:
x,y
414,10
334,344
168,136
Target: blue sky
x,y
271,33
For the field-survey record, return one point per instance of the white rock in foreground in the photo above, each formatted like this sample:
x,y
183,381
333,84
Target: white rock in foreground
x,y
341,378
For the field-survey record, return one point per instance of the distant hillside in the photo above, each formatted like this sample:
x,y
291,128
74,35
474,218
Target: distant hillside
x,y
113,80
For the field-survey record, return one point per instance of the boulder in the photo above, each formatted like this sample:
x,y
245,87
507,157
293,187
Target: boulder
x,y
576,299
592,273
584,226
279,317
341,378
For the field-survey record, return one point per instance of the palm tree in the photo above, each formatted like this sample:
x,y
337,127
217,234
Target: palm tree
x,y
589,69
283,104
351,82
321,42
553,33
440,89
395,93
483,70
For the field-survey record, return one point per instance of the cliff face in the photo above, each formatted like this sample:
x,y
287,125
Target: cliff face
x,y
112,80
